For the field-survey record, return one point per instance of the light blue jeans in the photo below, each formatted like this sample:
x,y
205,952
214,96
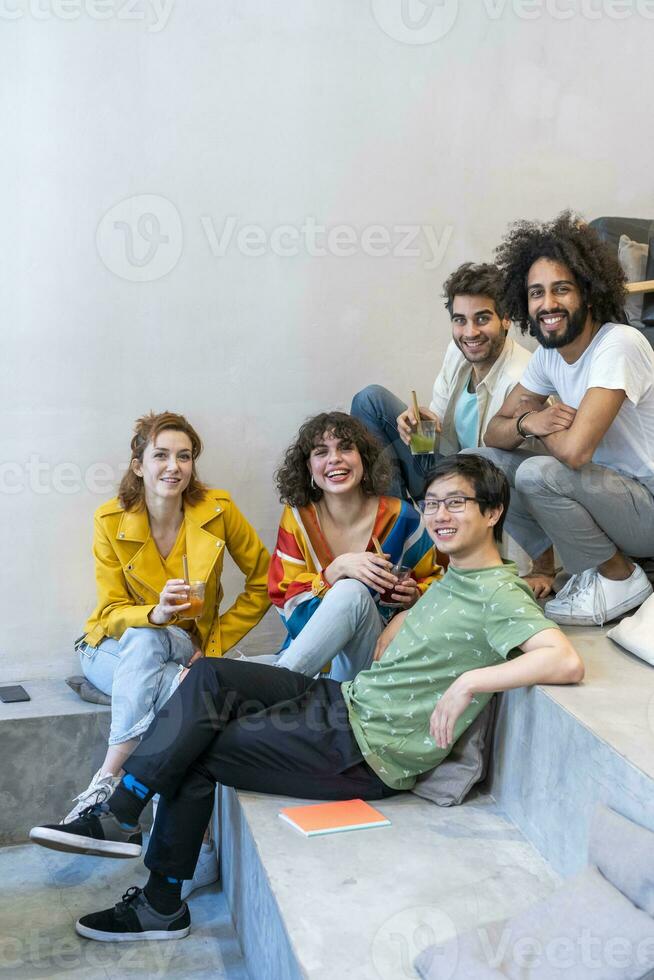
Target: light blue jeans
x,y
344,629
140,672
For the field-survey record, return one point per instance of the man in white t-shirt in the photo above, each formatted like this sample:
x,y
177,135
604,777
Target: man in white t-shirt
x,y
593,497
481,367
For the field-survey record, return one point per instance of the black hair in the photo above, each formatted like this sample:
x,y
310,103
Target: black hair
x,y
491,486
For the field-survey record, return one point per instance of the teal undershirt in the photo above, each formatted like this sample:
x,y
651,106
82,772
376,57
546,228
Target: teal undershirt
x,y
466,419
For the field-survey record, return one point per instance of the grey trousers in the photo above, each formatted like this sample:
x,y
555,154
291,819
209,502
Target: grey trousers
x,y
587,514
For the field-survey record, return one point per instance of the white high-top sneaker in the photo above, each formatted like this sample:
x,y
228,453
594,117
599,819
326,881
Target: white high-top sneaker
x,y
206,870
99,790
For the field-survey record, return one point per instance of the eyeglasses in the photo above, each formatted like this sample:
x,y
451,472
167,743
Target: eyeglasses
x,y
452,504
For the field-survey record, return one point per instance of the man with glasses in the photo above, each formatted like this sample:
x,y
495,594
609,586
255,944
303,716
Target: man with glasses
x,y
272,730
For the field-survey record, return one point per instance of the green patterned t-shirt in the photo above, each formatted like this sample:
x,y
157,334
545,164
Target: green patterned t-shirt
x,y
469,619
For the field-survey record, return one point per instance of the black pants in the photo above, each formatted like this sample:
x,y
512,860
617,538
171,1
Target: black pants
x,y
249,726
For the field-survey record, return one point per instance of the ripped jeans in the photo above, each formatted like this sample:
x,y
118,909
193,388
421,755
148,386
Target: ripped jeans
x,y
140,672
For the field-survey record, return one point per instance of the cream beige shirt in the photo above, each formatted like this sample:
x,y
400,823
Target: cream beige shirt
x,y
453,379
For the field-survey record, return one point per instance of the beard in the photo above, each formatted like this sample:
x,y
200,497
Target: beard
x,y
491,353
575,325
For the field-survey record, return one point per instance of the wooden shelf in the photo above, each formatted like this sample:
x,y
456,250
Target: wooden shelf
x,y
641,287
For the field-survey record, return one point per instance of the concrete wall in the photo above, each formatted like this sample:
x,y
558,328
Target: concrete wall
x,y
423,136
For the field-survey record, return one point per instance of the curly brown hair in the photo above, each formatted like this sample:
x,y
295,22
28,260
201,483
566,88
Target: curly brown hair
x,y
131,493
568,240
293,478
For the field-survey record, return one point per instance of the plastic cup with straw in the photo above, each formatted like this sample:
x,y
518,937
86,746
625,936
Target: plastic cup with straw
x,y
398,570
195,593
423,439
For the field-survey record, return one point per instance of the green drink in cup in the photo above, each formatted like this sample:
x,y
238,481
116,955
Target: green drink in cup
x,y
424,438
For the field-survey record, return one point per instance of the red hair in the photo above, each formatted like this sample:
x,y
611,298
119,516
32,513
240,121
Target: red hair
x,y
146,429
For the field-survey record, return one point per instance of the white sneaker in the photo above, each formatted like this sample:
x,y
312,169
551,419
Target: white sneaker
x,y
206,871
100,789
590,599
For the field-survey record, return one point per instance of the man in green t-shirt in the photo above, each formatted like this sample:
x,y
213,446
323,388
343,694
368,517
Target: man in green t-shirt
x,y
273,730
439,663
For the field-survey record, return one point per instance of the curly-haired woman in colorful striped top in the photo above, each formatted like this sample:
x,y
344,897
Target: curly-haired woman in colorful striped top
x,y
325,577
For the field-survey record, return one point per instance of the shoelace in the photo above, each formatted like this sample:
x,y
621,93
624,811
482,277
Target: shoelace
x,y
101,794
128,899
578,585
94,810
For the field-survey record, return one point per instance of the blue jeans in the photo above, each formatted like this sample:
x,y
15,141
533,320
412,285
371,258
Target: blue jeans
x,y
344,629
140,672
378,409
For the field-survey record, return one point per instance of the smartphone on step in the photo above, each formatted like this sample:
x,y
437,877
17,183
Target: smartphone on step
x,y
14,692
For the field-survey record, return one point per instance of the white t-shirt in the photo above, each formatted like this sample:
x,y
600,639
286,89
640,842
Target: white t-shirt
x,y
618,357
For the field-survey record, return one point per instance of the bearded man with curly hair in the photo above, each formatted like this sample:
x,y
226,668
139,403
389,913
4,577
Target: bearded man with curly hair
x,y
592,495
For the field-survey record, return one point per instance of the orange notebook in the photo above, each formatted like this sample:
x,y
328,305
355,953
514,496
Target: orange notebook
x,y
331,818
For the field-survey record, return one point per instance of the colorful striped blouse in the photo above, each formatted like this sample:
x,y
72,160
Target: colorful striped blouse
x,y
296,583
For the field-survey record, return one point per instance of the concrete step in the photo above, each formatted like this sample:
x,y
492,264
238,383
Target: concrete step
x,y
559,750
51,746
363,904
44,892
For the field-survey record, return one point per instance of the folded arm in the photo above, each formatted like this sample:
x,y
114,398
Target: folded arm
x,y
576,445
571,435
502,431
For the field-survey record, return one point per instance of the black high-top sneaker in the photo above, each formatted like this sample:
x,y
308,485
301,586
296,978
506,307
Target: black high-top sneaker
x,y
95,831
133,919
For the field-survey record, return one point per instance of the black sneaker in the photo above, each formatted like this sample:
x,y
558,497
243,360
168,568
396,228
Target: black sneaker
x,y
95,831
132,919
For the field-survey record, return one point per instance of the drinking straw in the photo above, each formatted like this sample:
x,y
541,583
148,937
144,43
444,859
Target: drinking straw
x,y
378,547
416,412
186,575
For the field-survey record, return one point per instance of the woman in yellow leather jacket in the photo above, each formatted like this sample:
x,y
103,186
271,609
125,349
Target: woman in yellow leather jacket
x,y
137,641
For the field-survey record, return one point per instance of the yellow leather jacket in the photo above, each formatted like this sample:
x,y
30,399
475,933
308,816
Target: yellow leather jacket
x,y
130,575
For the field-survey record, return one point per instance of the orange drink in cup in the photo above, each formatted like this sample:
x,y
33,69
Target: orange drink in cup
x,y
196,598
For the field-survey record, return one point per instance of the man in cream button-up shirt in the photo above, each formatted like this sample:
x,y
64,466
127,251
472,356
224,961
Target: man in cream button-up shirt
x,y
481,367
